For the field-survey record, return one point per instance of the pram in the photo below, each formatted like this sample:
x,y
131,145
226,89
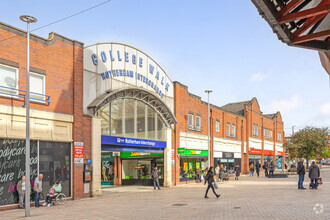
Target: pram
x,y
226,177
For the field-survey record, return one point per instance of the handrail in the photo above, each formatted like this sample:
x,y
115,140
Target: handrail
x,y
46,100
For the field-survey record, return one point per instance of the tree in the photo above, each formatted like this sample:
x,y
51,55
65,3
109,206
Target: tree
x,y
308,143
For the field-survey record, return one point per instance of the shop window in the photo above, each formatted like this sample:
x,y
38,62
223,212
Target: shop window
x,y
190,121
55,165
37,87
217,126
116,107
104,114
233,130
228,129
129,117
189,167
198,123
141,120
8,80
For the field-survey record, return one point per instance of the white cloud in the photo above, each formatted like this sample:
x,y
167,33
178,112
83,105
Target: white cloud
x,y
258,77
325,109
285,105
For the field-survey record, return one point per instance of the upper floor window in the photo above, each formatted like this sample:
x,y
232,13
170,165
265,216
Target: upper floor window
x,y
279,136
37,87
228,129
217,126
8,80
198,123
254,129
257,130
190,121
233,131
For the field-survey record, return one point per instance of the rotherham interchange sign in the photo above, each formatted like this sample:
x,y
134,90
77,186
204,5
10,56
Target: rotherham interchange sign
x,y
118,63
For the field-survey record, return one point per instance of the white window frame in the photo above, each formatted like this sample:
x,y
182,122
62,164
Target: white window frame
x,y
228,129
191,126
233,130
254,129
17,86
198,127
217,126
44,92
257,131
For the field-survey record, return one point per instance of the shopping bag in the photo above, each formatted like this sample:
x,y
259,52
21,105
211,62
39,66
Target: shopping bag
x,y
216,185
202,177
320,181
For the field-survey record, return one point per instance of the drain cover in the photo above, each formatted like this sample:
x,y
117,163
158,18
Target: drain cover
x,y
179,204
237,207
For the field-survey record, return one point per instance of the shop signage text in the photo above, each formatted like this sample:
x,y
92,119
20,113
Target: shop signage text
x,y
184,151
132,142
78,153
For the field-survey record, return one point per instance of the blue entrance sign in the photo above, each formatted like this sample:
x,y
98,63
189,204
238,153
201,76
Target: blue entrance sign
x,y
111,140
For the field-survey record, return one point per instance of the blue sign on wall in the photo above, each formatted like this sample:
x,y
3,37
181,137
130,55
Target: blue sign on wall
x,y
132,142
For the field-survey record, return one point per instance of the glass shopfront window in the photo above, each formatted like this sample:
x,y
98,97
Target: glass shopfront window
x,y
55,165
189,166
107,166
138,119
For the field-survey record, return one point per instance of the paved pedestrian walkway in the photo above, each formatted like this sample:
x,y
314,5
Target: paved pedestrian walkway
x,y
248,198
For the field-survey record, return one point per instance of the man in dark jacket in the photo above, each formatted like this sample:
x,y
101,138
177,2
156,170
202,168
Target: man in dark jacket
x,y
314,174
301,173
209,178
155,178
258,166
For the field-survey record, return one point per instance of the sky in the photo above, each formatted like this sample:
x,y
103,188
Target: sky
x,y
225,46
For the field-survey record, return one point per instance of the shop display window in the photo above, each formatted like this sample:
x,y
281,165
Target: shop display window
x,y
141,169
189,166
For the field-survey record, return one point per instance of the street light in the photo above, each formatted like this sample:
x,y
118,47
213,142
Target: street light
x,y
28,19
208,127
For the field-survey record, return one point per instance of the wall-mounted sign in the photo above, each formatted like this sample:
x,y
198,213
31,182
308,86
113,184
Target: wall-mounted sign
x,y
140,154
111,140
78,153
184,151
227,155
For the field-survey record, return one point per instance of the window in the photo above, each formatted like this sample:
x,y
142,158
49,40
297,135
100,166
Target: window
x,y
256,130
198,123
279,136
8,79
37,85
191,121
217,125
228,129
271,134
233,132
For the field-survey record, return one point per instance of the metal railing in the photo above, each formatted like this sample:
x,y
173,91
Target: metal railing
x,y
18,95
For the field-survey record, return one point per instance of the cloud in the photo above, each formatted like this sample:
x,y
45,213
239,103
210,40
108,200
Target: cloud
x,y
258,77
285,105
325,109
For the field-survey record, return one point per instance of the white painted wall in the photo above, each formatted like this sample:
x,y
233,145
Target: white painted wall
x,y
193,141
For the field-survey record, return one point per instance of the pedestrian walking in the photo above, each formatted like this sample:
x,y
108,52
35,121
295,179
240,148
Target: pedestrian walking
x,y
222,173
237,171
217,172
258,166
314,175
210,179
265,167
155,177
21,192
251,169
198,175
37,189
301,173
271,169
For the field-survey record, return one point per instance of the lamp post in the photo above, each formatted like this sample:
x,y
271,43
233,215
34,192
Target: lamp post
x,y
28,19
208,127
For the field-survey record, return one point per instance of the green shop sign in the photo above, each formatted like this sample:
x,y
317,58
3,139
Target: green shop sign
x,y
140,154
107,156
184,151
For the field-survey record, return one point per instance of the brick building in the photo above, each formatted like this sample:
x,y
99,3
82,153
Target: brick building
x,y
56,67
239,134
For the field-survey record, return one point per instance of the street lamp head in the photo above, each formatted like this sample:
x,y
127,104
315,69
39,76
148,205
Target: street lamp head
x,y
208,91
28,18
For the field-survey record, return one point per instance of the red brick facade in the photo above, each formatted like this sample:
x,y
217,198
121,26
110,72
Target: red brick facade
x,y
186,103
61,60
